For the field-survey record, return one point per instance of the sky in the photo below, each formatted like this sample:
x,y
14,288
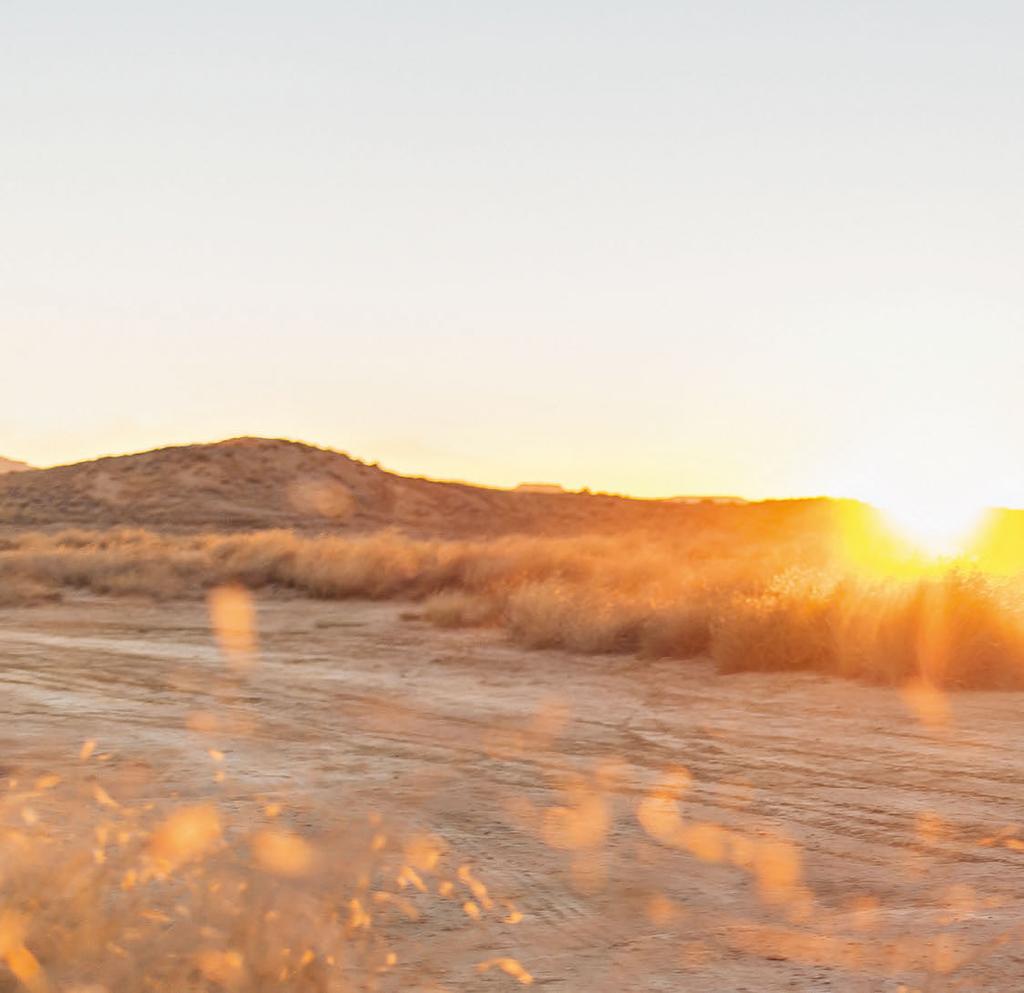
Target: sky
x,y
762,248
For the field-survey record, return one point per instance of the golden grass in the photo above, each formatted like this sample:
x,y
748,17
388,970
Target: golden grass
x,y
770,602
957,628
106,890
459,609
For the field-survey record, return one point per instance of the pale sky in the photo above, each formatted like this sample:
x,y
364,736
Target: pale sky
x,y
766,248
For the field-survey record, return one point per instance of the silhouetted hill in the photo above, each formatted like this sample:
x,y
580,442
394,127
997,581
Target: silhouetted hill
x,y
250,483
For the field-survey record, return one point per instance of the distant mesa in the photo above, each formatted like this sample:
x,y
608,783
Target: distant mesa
x,y
540,488
10,465
719,501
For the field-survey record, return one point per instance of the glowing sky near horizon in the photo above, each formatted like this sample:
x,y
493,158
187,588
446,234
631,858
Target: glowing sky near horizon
x,y
657,247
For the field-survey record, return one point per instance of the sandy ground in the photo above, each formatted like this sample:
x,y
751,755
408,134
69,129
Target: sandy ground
x,y
829,838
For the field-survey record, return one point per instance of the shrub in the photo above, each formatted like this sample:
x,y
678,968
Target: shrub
x,y
458,609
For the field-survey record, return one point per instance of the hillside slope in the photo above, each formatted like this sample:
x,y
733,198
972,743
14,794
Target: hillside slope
x,y
11,465
249,483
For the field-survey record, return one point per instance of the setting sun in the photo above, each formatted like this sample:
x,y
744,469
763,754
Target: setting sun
x,y
936,527
914,534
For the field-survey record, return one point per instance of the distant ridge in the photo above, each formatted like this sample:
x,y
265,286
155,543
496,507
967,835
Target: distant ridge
x,y
258,483
11,465
541,488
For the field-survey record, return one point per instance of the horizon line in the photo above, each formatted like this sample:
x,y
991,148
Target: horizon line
x,y
578,491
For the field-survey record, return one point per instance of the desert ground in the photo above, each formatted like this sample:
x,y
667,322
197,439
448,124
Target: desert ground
x,y
609,824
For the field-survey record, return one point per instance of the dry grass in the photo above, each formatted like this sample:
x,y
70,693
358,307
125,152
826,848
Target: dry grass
x,y
961,629
766,602
202,895
379,566
596,595
458,609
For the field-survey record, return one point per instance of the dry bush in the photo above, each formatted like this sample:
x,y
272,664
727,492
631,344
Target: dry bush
x,y
550,615
458,609
787,626
377,566
955,629
256,560
680,631
963,630
538,615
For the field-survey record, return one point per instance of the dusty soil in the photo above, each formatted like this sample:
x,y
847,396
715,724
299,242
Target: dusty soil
x,y
893,815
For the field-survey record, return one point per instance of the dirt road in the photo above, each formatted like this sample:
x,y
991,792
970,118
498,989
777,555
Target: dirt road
x,y
657,826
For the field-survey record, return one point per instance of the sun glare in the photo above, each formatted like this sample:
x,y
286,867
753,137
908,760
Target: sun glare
x,y
935,527
913,535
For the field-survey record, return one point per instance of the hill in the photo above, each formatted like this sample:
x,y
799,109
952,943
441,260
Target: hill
x,y
10,465
255,483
